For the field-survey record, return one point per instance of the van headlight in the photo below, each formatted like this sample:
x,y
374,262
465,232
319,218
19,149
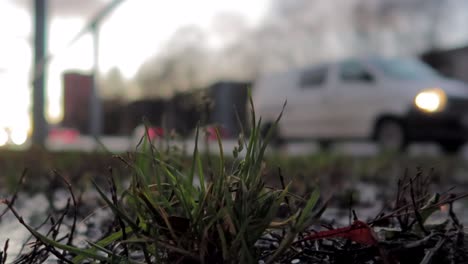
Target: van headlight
x,y
431,100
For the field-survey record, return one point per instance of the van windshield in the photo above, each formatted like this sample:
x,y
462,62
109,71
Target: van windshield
x,y
406,69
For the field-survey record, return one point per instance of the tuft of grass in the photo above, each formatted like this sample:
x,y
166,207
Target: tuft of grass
x,y
174,212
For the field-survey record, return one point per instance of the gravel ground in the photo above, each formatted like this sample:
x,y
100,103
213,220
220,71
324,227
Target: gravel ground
x,y
94,220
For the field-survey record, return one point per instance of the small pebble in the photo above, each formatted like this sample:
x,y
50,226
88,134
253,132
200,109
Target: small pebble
x,y
295,261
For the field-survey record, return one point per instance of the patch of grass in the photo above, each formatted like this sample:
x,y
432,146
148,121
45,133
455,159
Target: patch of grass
x,y
174,212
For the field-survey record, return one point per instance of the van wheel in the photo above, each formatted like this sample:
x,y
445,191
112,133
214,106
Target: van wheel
x,y
451,146
390,136
276,139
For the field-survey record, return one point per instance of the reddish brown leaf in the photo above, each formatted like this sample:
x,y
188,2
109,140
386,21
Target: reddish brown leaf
x,y
358,232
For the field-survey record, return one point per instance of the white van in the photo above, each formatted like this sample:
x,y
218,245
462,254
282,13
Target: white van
x,y
393,101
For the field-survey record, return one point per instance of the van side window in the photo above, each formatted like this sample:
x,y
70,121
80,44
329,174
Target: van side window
x,y
313,78
353,71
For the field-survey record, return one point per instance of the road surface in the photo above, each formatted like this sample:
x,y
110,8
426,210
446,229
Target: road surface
x,y
123,144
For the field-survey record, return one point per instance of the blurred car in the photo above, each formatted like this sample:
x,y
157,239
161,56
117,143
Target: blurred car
x,y
394,101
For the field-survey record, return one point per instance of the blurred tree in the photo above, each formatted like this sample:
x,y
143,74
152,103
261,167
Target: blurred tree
x,y
179,66
385,24
113,85
236,53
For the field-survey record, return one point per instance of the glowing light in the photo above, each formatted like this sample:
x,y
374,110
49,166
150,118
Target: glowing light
x,y
16,57
19,137
430,100
55,114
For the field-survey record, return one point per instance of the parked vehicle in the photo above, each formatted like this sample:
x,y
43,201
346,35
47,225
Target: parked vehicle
x,y
394,101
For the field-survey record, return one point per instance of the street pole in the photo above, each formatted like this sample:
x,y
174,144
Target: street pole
x,y
40,48
40,63
95,114
95,117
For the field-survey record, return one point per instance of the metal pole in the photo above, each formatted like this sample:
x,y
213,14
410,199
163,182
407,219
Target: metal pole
x,y
95,117
40,47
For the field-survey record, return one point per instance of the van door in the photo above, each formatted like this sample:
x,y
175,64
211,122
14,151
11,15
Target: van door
x,y
305,115
355,93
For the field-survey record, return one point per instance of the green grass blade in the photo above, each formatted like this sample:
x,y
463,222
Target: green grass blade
x,y
195,154
224,246
307,211
201,174
116,210
221,154
102,249
68,248
102,243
